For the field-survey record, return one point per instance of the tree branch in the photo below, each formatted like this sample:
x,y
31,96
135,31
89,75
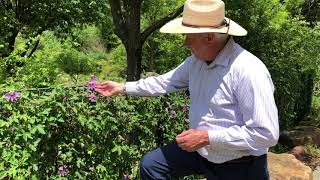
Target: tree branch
x,y
160,23
34,48
134,16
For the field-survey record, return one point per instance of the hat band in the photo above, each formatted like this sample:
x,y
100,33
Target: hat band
x,y
223,24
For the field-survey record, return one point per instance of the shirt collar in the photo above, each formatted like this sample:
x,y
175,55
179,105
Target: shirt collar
x,y
223,57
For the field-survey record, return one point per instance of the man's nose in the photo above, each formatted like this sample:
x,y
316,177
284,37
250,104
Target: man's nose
x,y
187,42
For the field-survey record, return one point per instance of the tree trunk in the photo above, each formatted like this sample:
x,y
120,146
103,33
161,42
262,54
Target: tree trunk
x,y
11,41
126,18
131,63
134,51
139,65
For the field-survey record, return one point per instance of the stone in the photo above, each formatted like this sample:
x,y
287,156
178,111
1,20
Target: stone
x,y
316,174
299,152
286,167
300,135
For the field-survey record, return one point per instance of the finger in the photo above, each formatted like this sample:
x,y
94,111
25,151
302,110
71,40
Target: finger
x,y
180,140
100,88
184,133
183,137
102,85
105,83
102,92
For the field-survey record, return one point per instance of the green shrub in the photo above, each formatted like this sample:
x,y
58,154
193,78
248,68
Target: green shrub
x,y
75,63
312,150
116,63
44,130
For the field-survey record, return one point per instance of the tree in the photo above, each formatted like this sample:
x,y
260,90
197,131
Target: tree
x,y
32,17
127,21
311,11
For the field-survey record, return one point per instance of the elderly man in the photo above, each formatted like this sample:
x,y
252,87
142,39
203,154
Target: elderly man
x,y
233,116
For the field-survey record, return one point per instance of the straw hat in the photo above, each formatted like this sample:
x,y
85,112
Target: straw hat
x,y
201,16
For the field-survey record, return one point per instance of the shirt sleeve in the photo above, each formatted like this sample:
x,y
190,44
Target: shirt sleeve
x,y
171,81
254,95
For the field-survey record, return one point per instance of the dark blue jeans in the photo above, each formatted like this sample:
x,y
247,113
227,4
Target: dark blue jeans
x,y
171,161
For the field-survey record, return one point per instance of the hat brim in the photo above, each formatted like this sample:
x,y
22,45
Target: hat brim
x,y
176,26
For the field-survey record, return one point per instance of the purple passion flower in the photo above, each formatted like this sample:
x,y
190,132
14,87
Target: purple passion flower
x,y
94,78
92,98
92,83
12,96
62,171
126,176
173,114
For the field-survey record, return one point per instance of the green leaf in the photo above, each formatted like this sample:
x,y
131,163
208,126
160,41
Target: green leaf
x,y
32,147
3,123
8,107
117,149
26,136
80,162
41,129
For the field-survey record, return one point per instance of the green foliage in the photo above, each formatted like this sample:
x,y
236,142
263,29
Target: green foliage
x,y
40,70
74,63
312,150
163,52
8,22
316,91
294,6
314,118
116,63
279,149
56,60
110,39
43,131
87,39
31,18
11,66
311,11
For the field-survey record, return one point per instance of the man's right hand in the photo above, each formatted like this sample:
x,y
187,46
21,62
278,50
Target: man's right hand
x,y
109,88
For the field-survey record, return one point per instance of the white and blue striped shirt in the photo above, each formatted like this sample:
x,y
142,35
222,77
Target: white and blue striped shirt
x,y
232,98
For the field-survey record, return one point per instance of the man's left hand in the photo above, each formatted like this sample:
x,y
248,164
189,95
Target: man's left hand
x,y
192,139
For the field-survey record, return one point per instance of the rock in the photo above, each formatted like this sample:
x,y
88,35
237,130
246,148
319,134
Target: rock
x,y
316,174
287,167
300,135
299,152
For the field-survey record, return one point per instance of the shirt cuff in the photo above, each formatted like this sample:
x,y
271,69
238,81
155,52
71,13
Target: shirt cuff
x,y
130,87
216,137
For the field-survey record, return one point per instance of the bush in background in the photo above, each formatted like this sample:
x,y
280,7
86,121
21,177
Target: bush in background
x,y
71,133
